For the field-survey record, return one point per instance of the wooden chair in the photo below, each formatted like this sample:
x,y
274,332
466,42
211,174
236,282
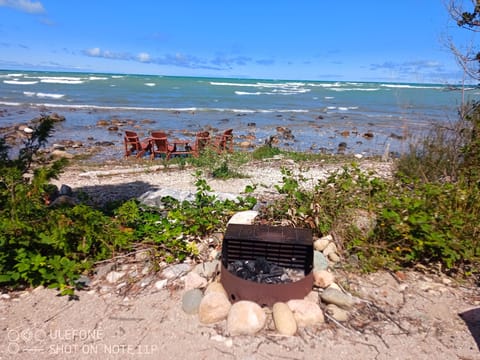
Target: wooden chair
x,y
133,145
224,142
202,140
159,145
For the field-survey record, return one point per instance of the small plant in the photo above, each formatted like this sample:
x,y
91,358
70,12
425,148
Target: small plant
x,y
174,229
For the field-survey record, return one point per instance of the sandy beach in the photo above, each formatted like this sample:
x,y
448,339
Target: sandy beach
x,y
412,315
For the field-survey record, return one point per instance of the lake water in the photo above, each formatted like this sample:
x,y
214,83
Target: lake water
x,y
316,112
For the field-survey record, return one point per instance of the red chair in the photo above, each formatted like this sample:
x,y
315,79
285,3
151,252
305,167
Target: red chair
x,y
224,142
159,145
202,140
133,145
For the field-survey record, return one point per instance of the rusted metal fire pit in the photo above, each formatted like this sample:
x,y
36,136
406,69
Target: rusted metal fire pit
x,y
286,247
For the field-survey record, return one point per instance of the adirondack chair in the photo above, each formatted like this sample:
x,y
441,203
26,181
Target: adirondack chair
x,y
224,142
160,145
133,144
202,140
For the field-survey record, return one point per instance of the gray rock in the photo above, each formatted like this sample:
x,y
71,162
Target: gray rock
x,y
320,262
208,269
175,271
154,198
191,301
337,313
334,296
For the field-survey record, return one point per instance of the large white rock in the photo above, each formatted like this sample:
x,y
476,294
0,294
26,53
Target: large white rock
x,y
244,217
213,308
306,313
245,318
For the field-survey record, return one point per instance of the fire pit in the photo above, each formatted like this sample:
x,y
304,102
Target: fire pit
x,y
258,262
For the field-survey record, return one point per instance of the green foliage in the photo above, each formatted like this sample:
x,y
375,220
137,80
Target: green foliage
x,y
265,152
220,166
174,229
414,222
41,244
321,207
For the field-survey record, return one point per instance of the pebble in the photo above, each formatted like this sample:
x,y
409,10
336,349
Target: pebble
x,y
194,281
337,313
334,296
113,276
175,271
323,278
284,319
322,243
191,301
320,262
160,284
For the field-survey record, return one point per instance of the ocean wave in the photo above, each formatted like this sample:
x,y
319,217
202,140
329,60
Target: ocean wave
x,y
150,84
12,75
18,82
62,81
159,109
277,88
407,86
97,78
52,96
355,89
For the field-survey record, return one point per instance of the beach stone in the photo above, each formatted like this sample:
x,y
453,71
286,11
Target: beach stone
x,y
160,284
208,269
194,281
320,262
113,276
175,271
243,217
245,318
284,320
322,243
337,313
191,301
323,278
215,287
330,248
213,308
306,313
334,296
334,257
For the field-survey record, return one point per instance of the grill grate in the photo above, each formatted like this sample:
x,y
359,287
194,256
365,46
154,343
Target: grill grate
x,y
283,246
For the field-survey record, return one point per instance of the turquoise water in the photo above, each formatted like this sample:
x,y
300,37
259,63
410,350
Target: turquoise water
x,y
316,112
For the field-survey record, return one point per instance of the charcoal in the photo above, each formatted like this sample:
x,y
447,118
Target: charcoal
x,y
260,271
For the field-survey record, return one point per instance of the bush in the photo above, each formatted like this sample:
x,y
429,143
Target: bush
x,y
41,244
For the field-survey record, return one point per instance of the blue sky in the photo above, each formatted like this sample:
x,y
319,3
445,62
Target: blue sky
x,y
398,41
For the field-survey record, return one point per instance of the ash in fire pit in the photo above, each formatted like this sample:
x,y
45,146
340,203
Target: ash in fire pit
x,y
262,271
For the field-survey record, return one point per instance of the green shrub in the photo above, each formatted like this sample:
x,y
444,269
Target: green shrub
x,y
41,244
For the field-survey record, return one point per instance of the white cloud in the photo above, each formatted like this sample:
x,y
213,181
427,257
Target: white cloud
x,y
93,51
32,7
143,57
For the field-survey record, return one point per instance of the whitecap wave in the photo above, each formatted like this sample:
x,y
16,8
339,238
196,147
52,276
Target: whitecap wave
x,y
97,78
18,82
51,96
150,84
